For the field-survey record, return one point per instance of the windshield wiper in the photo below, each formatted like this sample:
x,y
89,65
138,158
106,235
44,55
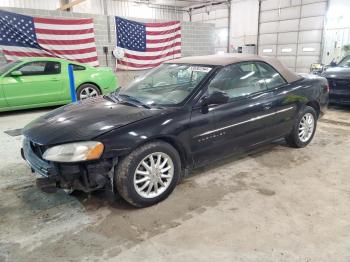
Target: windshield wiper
x,y
132,100
113,97
110,98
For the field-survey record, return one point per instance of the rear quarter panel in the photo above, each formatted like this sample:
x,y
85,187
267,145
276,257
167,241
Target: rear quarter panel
x,y
104,78
315,88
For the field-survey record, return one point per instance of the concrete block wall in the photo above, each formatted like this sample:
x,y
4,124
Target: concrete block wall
x,y
292,30
197,38
217,15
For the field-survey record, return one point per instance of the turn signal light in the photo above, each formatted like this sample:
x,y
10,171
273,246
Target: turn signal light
x,y
95,152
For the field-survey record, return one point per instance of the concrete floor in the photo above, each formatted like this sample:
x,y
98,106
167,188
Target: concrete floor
x,y
275,204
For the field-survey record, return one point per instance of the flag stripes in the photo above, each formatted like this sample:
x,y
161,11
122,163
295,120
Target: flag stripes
x,y
26,36
146,45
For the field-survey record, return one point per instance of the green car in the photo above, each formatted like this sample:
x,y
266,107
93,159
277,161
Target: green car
x,y
39,82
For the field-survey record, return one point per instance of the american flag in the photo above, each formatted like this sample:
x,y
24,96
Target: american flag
x,y
146,45
26,36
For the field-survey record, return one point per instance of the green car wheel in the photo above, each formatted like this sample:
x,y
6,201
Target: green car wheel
x,y
87,90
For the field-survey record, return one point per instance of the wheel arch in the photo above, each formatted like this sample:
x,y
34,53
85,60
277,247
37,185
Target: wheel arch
x,y
179,147
315,105
91,83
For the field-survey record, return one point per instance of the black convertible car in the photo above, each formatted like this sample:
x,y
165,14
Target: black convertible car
x,y
140,140
339,82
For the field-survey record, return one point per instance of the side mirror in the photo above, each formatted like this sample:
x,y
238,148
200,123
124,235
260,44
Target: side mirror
x,y
216,98
16,73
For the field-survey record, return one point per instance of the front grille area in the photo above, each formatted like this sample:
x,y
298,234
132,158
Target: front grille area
x,y
339,85
339,91
32,153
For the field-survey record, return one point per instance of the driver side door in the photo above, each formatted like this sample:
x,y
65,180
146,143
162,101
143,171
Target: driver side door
x,y
40,82
234,125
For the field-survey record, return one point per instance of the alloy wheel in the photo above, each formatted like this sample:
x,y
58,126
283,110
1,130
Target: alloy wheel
x,y
153,175
88,92
306,127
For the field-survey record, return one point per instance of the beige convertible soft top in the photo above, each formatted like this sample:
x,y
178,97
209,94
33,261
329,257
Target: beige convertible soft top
x,y
227,59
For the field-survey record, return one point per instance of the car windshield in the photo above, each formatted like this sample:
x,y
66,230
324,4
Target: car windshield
x,y
7,67
166,85
345,62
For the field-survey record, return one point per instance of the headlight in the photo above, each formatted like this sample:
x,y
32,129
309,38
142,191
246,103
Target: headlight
x,y
74,152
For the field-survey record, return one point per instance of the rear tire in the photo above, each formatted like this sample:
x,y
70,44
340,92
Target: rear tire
x,y
87,91
148,174
304,128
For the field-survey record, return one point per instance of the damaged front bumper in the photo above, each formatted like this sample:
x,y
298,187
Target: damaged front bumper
x,y
84,176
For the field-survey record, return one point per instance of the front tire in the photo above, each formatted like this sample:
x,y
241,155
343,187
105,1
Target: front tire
x,y
87,90
148,174
304,128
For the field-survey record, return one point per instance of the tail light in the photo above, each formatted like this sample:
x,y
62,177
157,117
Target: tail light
x,y
327,88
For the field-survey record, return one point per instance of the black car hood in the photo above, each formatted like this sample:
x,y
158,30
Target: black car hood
x,y
337,73
83,120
